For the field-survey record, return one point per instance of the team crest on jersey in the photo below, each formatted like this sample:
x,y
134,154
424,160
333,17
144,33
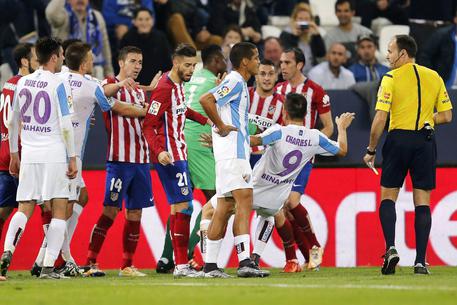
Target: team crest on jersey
x,y
114,196
154,108
223,91
271,110
185,191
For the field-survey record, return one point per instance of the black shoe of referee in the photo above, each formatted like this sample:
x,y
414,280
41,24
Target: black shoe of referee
x,y
391,260
421,269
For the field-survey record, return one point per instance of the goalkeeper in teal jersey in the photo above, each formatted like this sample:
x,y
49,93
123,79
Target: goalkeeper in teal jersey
x,y
200,159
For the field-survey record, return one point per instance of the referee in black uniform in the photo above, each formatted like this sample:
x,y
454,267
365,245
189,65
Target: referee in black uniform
x,y
416,99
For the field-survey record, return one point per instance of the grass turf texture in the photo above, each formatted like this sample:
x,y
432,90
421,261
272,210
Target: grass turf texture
x,y
329,286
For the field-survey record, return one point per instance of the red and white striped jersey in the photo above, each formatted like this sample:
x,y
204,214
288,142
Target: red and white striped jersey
x,y
126,142
268,107
6,101
317,98
164,122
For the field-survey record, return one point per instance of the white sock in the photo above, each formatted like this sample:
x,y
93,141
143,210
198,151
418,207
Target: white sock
x,y
55,237
204,224
212,250
242,246
40,257
72,222
265,227
15,230
66,253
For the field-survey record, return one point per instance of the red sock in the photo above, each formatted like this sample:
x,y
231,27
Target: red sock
x,y
130,241
2,222
181,237
46,217
172,231
97,238
302,218
287,235
59,261
301,241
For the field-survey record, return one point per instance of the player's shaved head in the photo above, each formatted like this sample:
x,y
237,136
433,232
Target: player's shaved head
x,y
76,54
295,106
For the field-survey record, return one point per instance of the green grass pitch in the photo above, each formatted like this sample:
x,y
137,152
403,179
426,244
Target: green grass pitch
x,y
332,286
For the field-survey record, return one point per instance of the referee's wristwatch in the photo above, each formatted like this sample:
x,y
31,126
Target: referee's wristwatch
x,y
371,152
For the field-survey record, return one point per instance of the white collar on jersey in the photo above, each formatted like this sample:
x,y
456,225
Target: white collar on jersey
x,y
237,75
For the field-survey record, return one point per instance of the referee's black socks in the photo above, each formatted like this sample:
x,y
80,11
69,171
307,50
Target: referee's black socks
x,y
422,225
388,217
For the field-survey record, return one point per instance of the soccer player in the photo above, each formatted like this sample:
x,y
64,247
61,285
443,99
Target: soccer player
x,y
87,92
47,140
200,159
25,58
127,169
300,228
164,130
289,149
227,106
266,104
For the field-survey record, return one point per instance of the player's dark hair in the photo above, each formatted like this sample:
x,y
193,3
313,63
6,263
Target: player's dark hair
x,y
211,52
267,62
298,53
68,42
407,43
46,47
127,50
340,2
75,55
185,50
295,106
240,51
22,50
142,9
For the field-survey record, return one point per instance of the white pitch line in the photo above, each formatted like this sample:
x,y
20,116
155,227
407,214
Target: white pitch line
x,y
290,286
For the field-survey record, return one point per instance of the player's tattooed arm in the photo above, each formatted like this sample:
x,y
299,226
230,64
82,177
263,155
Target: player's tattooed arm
x,y
208,103
255,141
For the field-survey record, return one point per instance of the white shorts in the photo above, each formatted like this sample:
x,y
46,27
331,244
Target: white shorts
x,y
43,181
260,210
232,174
78,183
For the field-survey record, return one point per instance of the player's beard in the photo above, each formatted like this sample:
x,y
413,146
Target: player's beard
x,y
182,77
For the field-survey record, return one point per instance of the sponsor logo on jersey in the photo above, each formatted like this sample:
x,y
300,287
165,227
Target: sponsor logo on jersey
x,y
181,109
185,191
386,95
223,91
326,100
154,107
114,196
70,101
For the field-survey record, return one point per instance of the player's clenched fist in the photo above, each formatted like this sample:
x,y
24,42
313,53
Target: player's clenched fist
x,y
224,130
165,158
15,164
72,168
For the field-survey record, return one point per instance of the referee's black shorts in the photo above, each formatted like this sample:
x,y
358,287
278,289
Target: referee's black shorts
x,y
408,150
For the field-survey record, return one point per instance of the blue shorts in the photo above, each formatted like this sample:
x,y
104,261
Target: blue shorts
x,y
254,159
302,179
8,190
129,181
175,181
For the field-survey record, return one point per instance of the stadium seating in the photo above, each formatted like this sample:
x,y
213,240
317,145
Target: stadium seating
x,y
386,35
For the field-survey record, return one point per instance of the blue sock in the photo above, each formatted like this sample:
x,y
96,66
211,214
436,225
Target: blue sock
x,y
388,217
422,226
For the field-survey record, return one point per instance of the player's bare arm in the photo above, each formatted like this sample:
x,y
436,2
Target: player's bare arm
x,y
153,83
130,110
208,103
343,122
255,141
327,122
442,117
377,127
111,90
